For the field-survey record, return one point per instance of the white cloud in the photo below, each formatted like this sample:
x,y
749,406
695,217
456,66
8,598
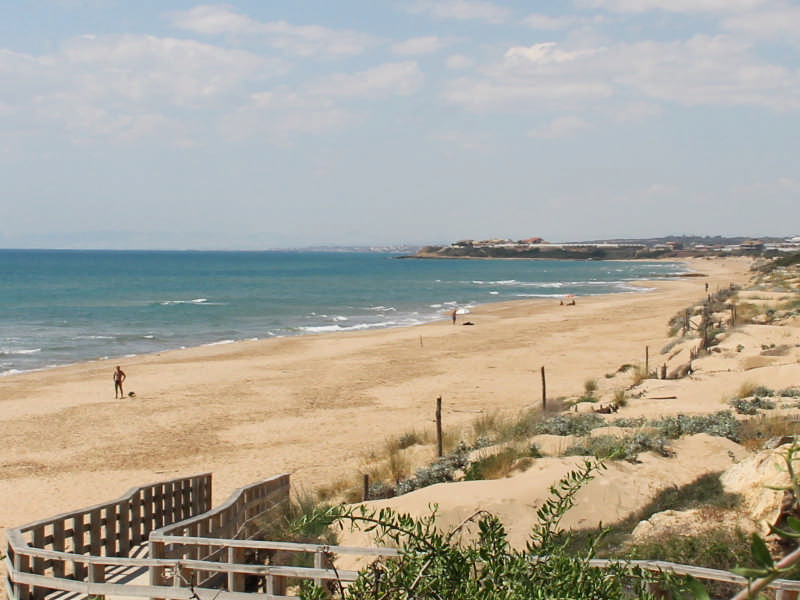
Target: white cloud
x,y
659,189
106,85
458,62
788,183
633,112
389,79
548,23
313,108
460,10
711,71
300,40
421,45
212,20
546,52
715,71
463,141
283,113
561,127
142,68
773,22
677,6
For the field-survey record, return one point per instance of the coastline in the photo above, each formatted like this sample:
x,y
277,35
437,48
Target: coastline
x,y
391,311
313,405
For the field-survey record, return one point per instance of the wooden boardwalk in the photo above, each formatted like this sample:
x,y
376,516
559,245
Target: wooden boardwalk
x,y
164,541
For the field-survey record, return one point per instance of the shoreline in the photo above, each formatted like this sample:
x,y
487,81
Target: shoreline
x,y
624,286
315,405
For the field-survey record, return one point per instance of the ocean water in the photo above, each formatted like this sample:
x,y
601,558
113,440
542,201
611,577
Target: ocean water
x,y
61,307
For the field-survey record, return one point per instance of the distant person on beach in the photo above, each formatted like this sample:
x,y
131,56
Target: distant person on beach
x,y
119,377
454,315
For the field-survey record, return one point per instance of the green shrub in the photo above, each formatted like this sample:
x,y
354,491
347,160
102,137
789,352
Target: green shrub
x,y
569,424
436,564
629,421
714,549
721,424
411,438
751,407
610,447
494,466
439,472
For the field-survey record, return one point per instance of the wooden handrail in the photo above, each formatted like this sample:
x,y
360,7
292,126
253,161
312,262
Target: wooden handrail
x,y
180,563
111,529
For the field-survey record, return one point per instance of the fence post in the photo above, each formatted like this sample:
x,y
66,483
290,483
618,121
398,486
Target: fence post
x,y
318,564
544,391
22,564
439,449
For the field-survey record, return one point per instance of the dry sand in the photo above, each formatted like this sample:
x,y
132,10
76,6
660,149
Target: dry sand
x,y
319,406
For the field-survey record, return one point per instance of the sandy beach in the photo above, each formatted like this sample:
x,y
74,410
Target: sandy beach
x,y
317,406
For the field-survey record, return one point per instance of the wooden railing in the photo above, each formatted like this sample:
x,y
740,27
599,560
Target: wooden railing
x,y
112,529
197,553
249,512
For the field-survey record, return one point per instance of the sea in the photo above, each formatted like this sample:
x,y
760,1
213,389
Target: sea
x,y
59,307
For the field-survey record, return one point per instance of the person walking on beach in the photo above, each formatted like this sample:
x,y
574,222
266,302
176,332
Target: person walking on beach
x,y
453,314
119,377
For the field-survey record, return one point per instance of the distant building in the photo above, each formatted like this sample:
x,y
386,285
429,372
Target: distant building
x,y
752,246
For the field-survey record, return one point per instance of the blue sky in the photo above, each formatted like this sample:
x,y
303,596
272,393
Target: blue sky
x,y
271,124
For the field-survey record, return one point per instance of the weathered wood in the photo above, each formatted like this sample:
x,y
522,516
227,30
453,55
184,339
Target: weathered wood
x,y
544,391
439,445
58,545
111,530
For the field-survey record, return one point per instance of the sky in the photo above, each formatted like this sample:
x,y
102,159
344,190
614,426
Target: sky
x,y
290,123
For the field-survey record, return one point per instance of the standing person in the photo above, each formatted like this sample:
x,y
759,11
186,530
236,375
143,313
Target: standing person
x,y
454,313
119,377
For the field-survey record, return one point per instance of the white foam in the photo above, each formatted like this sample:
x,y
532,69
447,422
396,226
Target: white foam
x,y
9,352
194,301
220,343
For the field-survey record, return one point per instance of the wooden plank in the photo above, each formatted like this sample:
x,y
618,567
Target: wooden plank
x,y
38,541
95,532
21,566
136,518
124,527
59,542
270,545
147,511
78,546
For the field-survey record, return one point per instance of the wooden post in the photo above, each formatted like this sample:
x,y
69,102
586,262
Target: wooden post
x,y
647,361
439,449
733,315
544,391
20,591
664,371
365,489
